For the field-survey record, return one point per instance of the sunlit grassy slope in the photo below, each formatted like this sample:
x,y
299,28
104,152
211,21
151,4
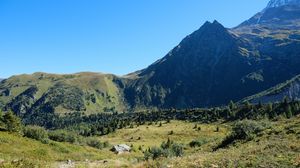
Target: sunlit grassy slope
x,y
277,146
96,92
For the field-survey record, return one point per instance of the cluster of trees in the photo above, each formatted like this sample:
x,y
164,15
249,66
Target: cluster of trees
x,y
11,123
43,135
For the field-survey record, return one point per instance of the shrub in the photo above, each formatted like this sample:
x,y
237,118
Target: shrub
x,y
247,129
105,144
167,149
244,130
166,145
197,143
36,132
158,152
95,143
177,150
62,136
147,155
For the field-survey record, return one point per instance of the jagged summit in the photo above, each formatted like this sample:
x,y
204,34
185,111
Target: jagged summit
x,y
278,3
208,29
215,24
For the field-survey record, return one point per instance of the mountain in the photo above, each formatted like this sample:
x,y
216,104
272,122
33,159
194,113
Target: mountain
x,y
282,17
289,89
214,65
279,3
210,67
41,92
201,71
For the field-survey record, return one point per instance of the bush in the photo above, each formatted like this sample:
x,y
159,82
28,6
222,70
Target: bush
x,y
197,143
166,145
167,149
158,152
95,143
36,132
62,136
177,150
245,130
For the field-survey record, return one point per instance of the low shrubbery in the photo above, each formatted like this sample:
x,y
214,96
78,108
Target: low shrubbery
x,y
95,143
197,143
167,149
36,132
244,130
63,136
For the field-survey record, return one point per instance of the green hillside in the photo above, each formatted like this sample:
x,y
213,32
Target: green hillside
x,y
41,92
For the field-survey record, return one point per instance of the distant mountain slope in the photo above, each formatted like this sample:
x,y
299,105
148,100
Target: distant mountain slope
x,y
41,92
289,89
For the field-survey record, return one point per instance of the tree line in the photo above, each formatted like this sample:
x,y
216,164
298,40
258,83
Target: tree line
x,y
105,123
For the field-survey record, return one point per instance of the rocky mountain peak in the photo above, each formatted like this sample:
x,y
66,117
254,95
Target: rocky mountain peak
x,y
279,3
209,30
212,26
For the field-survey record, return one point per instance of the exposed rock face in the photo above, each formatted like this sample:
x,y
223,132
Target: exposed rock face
x,y
289,89
279,3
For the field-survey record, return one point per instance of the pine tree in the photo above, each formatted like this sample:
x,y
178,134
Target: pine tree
x,y
12,122
288,112
285,100
1,119
248,105
231,105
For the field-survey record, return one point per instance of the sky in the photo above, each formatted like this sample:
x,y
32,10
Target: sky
x,y
109,36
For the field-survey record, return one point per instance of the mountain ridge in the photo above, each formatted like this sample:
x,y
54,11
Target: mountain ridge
x,y
208,68
278,3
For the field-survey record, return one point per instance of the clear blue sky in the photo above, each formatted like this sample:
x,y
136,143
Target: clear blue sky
x,y
111,36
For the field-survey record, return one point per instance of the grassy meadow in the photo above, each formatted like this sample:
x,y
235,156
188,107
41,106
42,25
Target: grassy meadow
x,y
277,146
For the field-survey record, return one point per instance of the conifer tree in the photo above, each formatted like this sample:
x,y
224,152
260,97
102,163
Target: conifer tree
x,y
12,122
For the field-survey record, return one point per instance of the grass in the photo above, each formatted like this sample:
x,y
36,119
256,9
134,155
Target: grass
x,y
277,146
153,135
14,147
